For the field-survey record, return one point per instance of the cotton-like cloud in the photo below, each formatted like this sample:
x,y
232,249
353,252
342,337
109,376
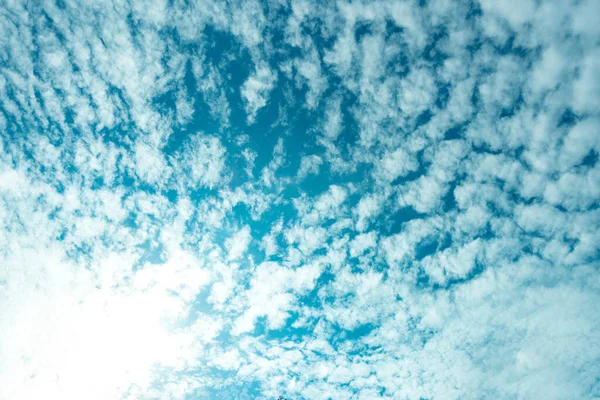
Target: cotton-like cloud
x,y
256,199
255,90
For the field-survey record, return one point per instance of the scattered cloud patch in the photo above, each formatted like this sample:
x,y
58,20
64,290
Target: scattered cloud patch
x,y
341,200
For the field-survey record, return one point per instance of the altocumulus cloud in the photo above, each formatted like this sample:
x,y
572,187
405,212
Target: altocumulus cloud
x,y
314,200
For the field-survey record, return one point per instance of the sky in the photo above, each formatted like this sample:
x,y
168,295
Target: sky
x,y
309,199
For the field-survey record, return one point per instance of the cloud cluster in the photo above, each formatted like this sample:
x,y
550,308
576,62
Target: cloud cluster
x,y
354,200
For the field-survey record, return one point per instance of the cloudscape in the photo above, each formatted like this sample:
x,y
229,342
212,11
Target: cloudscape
x,y
299,199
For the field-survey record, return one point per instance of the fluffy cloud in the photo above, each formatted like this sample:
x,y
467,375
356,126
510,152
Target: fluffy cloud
x,y
257,199
255,90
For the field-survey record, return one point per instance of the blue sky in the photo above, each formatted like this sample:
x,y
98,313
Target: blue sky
x,y
314,200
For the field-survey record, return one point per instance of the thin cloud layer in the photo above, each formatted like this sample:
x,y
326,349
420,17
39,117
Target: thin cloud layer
x,y
362,200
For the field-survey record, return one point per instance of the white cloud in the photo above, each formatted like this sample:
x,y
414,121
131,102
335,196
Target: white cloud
x,y
308,239
237,244
515,16
396,164
272,294
417,92
204,158
579,142
452,264
586,89
309,165
256,90
127,264
309,70
150,163
547,72
326,206
368,207
362,242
